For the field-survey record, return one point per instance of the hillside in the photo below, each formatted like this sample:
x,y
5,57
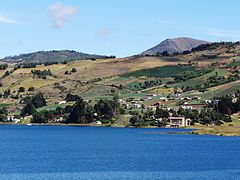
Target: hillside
x,y
174,45
52,56
147,79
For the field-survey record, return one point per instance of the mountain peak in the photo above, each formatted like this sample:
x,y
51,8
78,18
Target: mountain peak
x,y
175,45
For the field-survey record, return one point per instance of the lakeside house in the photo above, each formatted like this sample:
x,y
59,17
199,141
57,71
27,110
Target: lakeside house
x,y
196,106
179,121
12,119
151,108
62,102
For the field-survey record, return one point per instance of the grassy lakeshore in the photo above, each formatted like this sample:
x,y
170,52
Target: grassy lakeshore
x,y
227,129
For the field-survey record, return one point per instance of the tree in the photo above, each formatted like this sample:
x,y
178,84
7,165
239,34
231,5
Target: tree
x,y
7,73
77,114
89,114
72,97
38,100
27,110
3,114
136,121
38,117
31,88
161,113
164,53
21,89
225,105
74,70
106,109
163,122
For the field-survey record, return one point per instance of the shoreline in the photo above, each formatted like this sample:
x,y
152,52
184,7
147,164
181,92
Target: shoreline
x,y
194,130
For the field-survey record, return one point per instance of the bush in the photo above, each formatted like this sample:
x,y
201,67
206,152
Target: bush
x,y
31,89
74,70
38,117
21,89
66,72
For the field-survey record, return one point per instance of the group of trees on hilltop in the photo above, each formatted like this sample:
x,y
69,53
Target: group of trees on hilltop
x,y
3,66
215,45
42,74
192,74
212,81
208,46
145,84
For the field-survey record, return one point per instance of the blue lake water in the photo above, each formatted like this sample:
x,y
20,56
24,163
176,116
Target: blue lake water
x,y
59,152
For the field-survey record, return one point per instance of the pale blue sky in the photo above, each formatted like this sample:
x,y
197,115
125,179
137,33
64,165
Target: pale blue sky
x,y
112,27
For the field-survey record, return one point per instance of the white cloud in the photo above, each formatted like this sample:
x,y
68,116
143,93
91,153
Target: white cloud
x,y
104,32
6,20
60,13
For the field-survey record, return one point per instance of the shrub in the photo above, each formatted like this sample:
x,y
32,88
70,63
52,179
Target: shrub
x,y
74,70
31,89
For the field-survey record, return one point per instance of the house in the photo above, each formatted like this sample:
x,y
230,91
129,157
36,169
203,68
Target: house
x,y
234,100
215,102
151,95
136,106
98,122
193,106
62,102
187,99
177,96
12,119
196,98
179,121
151,108
164,99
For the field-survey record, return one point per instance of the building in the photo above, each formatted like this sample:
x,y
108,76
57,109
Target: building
x,y
62,102
12,119
193,106
151,108
179,121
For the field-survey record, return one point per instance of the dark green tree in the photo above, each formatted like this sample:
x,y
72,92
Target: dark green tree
x,y
27,110
38,100
21,89
78,112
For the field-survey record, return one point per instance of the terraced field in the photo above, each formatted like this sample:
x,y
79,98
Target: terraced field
x,y
202,79
161,72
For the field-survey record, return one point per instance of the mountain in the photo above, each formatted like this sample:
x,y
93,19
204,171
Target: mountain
x,y
175,45
52,56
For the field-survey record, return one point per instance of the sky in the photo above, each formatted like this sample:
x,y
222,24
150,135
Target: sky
x,y
112,27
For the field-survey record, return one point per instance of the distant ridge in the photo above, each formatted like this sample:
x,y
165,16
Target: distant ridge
x,y
52,56
175,45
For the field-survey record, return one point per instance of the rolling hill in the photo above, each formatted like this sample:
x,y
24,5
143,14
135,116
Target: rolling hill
x,y
52,56
174,45
131,77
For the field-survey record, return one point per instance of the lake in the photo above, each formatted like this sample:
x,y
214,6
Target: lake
x,y
66,152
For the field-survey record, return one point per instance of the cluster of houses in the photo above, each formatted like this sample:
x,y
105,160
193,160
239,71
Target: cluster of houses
x,y
187,103
131,103
11,119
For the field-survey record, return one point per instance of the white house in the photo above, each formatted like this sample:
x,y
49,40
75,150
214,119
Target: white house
x,y
179,121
